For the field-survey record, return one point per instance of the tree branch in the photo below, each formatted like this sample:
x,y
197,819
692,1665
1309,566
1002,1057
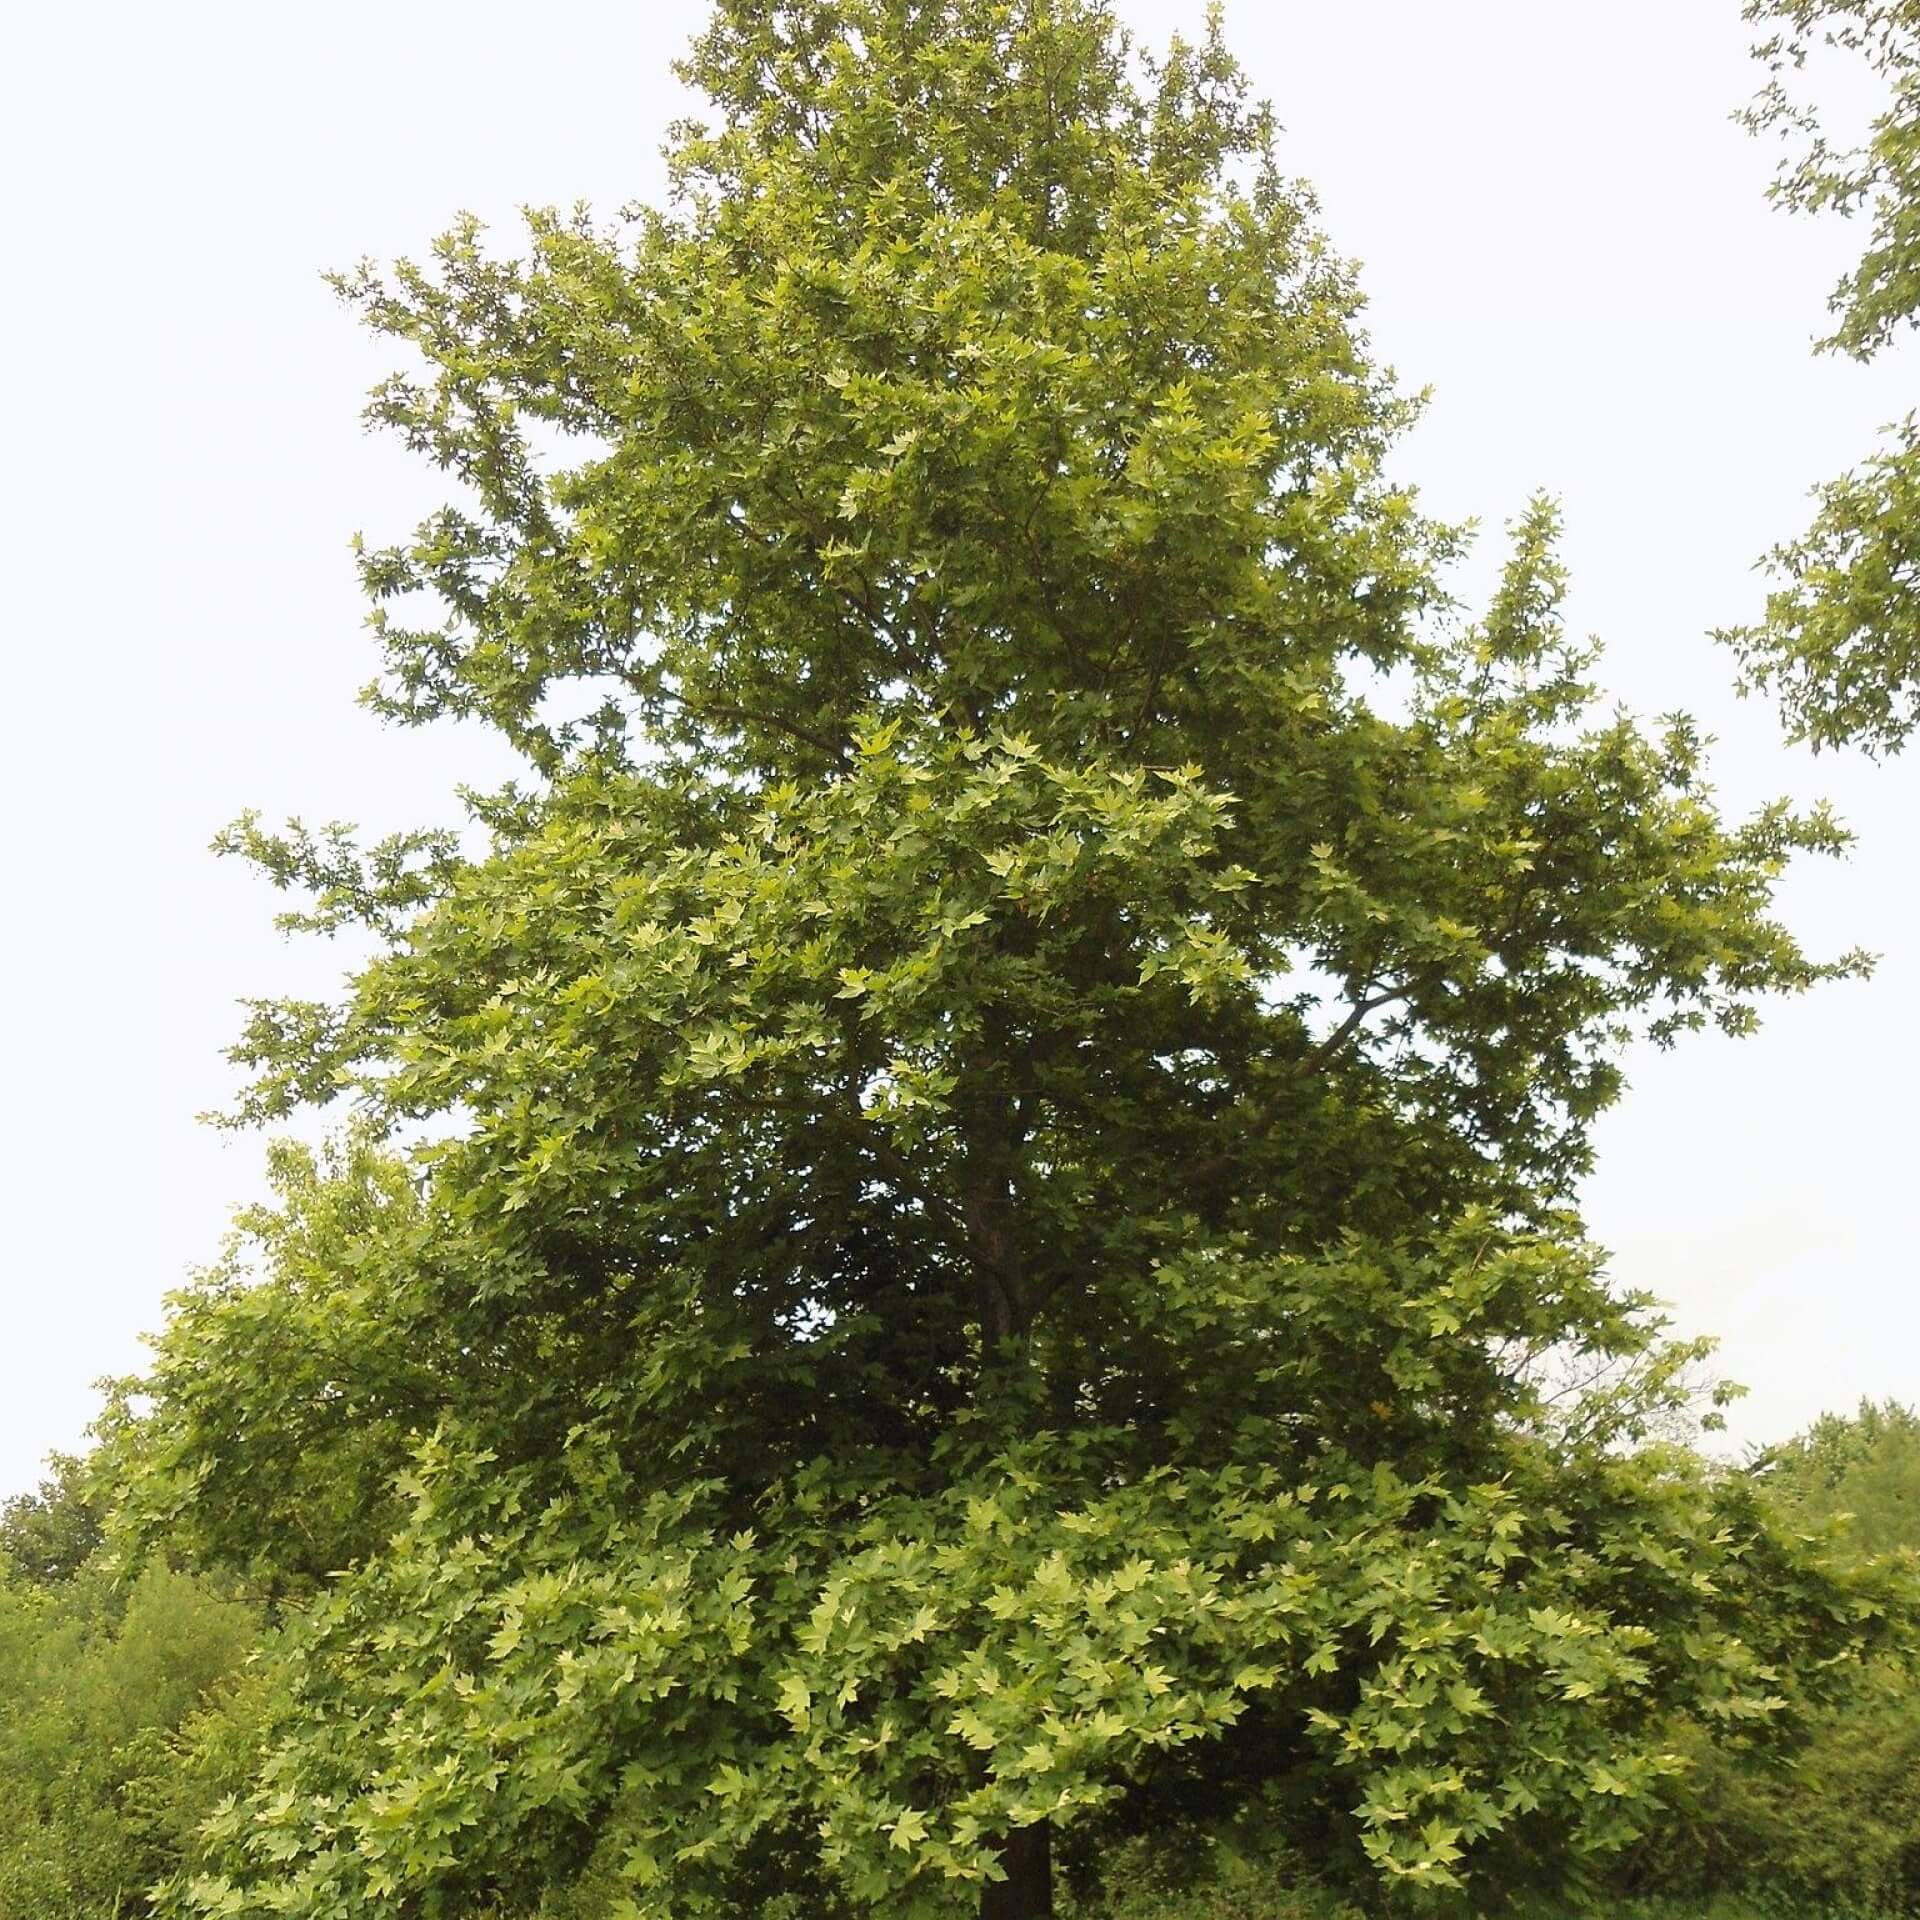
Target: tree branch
x,y
1222,1163
721,711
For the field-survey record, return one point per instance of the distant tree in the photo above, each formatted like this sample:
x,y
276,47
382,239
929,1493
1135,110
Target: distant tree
x,y
1838,1827
991,1252
46,1537
1840,638
99,1792
1866,1466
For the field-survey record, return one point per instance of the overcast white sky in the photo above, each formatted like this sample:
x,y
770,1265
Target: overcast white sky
x,y
1562,235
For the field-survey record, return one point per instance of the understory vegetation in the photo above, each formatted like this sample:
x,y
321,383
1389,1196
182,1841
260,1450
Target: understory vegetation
x,y
131,1709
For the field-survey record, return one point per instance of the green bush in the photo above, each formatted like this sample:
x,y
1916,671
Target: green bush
x,y
1242,1871
1835,1825
99,1788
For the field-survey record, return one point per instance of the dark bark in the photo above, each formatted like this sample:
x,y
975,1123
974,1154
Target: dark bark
x,y
990,1208
1006,1313
1027,1891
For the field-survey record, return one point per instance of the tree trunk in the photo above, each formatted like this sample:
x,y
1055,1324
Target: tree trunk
x,y
1027,1891
989,1204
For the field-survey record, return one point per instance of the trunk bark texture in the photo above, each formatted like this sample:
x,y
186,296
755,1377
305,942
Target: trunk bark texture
x,y
1027,1891
990,1206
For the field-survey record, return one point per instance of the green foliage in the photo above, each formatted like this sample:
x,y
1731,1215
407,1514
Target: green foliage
x,y
285,1408
99,1790
1840,638
46,1537
1866,1467
1240,1873
515,1693
1839,1822
1881,295
1836,1825
1246,1874
985,1248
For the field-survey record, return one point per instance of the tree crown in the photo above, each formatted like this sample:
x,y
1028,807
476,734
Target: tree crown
x,y
1000,1110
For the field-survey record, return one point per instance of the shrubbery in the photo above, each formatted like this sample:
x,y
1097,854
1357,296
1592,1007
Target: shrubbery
x,y
125,1713
1829,1828
1838,1821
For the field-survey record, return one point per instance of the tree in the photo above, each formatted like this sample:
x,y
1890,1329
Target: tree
x,y
987,1248
1866,1467
1839,1827
1840,637
97,1791
46,1537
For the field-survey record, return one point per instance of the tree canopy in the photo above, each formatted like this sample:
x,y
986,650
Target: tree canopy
x,y
1840,637
1866,1467
958,1230
46,1537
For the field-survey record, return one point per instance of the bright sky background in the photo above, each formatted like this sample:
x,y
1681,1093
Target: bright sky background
x,y
1562,233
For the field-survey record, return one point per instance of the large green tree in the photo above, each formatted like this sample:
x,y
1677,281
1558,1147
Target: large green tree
x,y
957,1233
1839,640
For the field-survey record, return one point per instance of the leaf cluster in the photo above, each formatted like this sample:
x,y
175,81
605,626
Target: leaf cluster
x,y
1839,641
